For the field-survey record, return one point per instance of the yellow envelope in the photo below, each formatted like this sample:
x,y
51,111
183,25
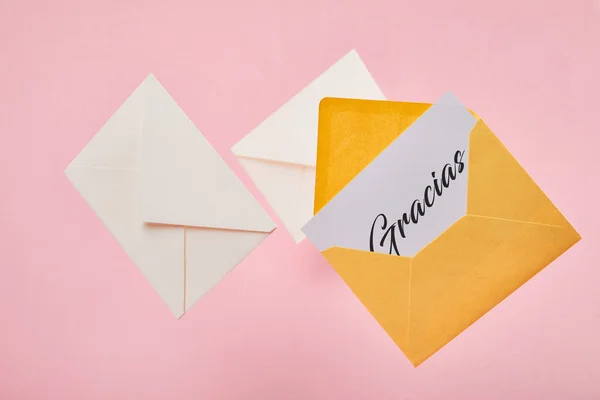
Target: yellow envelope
x,y
510,232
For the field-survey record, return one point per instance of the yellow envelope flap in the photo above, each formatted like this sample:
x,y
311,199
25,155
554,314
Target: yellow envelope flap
x,y
500,187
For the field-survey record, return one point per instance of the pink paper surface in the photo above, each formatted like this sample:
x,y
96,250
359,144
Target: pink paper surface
x,y
78,320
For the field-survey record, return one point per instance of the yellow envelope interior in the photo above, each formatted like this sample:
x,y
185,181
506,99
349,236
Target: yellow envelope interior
x,y
511,230
351,134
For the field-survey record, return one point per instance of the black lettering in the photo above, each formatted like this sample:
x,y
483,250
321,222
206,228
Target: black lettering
x,y
383,226
420,211
447,175
392,232
458,156
429,202
401,222
438,189
418,208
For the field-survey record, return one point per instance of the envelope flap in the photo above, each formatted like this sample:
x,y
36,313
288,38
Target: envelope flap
x,y
352,133
381,283
289,135
184,181
499,186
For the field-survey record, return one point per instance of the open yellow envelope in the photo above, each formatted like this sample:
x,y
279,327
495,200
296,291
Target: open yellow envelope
x,y
510,232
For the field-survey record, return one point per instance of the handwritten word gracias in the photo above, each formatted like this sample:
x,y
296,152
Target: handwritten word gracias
x,y
418,207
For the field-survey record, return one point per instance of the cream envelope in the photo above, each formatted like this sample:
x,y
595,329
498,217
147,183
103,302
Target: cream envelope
x,y
280,154
427,216
165,194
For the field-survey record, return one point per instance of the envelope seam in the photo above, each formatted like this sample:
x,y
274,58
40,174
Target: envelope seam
x,y
484,217
295,164
210,227
514,220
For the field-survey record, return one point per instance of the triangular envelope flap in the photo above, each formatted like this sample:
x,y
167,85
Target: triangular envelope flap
x,y
469,269
290,134
116,145
184,180
500,187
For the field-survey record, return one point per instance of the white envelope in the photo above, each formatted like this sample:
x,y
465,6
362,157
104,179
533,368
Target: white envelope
x,y
165,194
280,154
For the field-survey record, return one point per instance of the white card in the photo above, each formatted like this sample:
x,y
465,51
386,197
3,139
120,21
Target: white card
x,y
411,193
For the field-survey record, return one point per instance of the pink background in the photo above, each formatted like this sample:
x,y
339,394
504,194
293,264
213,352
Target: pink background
x,y
77,319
